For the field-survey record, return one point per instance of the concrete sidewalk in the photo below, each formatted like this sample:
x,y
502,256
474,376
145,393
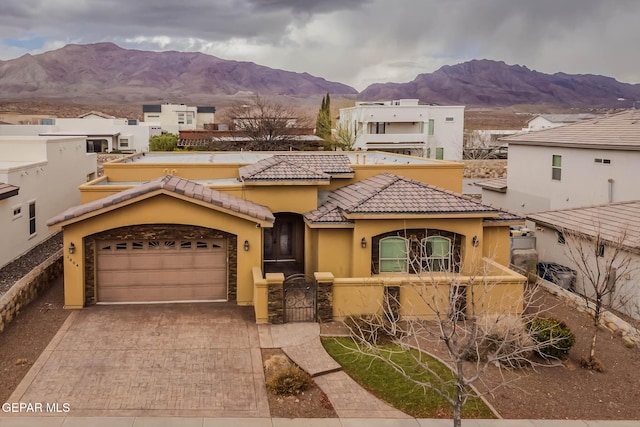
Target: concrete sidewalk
x,y
292,422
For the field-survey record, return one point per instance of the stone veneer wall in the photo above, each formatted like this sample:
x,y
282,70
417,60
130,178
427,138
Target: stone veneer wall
x,y
325,302
275,303
160,232
29,287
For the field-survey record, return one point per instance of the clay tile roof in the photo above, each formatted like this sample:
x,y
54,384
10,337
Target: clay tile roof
x,y
297,167
614,131
391,194
8,190
609,221
174,185
495,184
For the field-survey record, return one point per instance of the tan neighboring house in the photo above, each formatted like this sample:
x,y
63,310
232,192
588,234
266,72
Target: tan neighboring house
x,y
602,227
239,226
589,162
39,177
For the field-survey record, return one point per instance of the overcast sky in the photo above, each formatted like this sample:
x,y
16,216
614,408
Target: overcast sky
x,y
357,42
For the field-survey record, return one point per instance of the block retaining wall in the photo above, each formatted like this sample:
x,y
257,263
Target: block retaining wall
x,y
28,288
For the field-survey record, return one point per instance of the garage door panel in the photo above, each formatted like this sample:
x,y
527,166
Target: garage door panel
x,y
162,271
145,293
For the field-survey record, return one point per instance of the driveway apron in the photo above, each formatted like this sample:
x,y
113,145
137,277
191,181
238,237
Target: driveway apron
x,y
152,360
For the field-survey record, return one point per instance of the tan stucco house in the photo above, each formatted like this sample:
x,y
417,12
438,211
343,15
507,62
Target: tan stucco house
x,y
232,226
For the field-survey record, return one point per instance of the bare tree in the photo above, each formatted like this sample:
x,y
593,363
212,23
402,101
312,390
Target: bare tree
x,y
345,136
474,329
605,263
267,124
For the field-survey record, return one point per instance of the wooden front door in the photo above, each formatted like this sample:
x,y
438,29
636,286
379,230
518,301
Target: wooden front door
x,y
284,243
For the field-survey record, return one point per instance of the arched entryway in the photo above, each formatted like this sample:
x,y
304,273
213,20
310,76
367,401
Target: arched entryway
x,y
284,245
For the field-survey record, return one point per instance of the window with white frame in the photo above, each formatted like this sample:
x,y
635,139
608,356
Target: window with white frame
x,y
394,254
556,167
431,254
436,253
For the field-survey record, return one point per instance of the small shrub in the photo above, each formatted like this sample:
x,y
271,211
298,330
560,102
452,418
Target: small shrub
x,y
275,364
289,381
506,339
553,337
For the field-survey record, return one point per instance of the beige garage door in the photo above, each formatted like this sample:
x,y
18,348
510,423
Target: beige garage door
x,y
161,270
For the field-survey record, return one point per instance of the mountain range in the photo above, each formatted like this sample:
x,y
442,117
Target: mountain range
x,y
104,72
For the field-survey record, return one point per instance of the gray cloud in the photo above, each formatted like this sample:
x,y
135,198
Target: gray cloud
x,y
352,41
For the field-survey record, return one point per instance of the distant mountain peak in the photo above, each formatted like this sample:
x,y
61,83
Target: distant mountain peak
x,y
104,71
486,82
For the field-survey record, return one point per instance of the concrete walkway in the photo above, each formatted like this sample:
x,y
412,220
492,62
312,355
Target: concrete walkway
x,y
301,342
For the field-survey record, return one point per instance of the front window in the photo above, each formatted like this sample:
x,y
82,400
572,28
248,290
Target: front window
x,y
556,167
394,254
436,253
418,253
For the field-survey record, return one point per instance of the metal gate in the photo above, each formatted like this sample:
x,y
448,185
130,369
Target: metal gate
x,y
300,298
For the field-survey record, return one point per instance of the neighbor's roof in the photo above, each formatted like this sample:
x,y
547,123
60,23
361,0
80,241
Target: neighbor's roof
x,y
619,131
606,221
96,113
497,184
285,167
8,190
565,118
175,185
391,194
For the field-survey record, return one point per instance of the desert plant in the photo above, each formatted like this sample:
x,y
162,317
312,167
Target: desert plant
x,y
556,333
289,381
505,337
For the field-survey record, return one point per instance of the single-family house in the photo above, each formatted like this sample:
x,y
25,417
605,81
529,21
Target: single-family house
x,y
599,241
103,133
585,163
39,177
173,118
547,121
236,226
406,127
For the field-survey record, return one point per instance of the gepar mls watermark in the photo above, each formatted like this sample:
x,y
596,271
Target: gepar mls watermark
x,y
36,407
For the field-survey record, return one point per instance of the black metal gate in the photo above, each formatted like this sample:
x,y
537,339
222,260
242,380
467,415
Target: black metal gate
x,y
300,298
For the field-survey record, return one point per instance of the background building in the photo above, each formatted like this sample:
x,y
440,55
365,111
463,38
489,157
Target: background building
x,y
406,127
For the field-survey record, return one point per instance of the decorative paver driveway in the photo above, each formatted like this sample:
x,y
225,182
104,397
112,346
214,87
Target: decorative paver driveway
x,y
153,360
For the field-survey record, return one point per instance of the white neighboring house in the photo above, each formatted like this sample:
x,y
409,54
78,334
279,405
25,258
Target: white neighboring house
x,y
547,121
39,178
173,118
581,164
606,222
406,127
103,133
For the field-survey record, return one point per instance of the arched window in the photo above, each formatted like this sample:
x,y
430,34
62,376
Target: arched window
x,y
393,254
436,253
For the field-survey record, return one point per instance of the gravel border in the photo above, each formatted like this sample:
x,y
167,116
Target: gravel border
x,y
20,267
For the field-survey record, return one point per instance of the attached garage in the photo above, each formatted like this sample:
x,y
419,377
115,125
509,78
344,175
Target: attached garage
x,y
161,270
